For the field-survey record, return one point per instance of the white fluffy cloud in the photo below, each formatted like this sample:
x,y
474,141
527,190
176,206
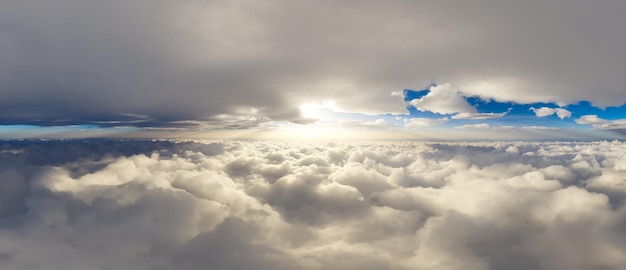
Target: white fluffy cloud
x,y
546,111
304,205
443,99
590,120
600,123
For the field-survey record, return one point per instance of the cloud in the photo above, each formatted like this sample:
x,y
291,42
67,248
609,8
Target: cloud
x,y
211,64
479,116
443,99
539,128
546,111
304,205
475,126
590,119
425,122
596,122
378,123
486,126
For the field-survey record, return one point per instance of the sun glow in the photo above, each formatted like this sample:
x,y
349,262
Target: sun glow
x,y
330,125
326,130
311,131
326,126
320,111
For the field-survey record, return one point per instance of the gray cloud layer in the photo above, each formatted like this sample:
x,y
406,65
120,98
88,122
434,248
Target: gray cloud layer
x,y
235,64
278,205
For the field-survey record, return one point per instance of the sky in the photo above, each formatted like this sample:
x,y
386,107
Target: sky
x,y
426,70
280,135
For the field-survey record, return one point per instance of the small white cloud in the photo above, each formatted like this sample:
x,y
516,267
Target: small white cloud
x,y
539,128
397,94
546,111
563,113
378,123
474,126
600,123
443,99
425,122
590,120
479,116
504,128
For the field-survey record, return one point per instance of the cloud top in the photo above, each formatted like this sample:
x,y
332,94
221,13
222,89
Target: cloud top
x,y
289,205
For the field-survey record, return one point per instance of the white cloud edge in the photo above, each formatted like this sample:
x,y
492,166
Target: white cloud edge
x,y
547,111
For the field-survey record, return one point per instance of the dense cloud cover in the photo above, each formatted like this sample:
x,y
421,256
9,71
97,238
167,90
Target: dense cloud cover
x,y
236,64
102,204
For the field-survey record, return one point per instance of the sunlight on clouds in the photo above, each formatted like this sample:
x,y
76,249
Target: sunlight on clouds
x,y
279,204
505,89
312,131
319,111
326,131
324,93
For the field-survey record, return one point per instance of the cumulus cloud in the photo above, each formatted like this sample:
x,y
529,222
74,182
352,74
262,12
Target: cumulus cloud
x,y
595,121
443,99
311,205
547,111
590,120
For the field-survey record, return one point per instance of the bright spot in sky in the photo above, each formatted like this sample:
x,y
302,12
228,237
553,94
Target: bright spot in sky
x,y
312,131
321,111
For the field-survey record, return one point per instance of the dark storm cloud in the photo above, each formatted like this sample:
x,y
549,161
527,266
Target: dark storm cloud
x,y
237,64
275,205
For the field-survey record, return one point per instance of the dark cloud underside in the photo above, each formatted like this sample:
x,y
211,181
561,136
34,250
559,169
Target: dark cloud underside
x,y
159,63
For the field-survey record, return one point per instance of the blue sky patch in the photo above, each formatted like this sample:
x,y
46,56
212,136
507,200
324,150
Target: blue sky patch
x,y
519,115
